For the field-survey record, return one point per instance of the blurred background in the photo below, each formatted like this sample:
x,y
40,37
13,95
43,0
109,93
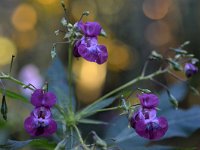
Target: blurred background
x,y
134,29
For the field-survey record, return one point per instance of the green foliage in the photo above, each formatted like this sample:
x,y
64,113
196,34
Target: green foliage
x,y
15,145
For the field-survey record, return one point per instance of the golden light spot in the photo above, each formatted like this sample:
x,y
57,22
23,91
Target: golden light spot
x,y
7,49
47,2
79,6
25,40
158,33
156,9
90,79
110,7
120,55
24,18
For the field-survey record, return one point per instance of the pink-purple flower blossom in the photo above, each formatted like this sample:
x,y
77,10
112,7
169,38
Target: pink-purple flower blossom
x,y
40,121
190,69
145,121
88,47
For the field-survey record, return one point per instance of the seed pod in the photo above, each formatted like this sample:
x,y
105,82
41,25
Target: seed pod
x,y
4,108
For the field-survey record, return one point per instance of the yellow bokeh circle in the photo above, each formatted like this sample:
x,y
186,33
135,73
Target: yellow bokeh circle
x,y
24,18
7,49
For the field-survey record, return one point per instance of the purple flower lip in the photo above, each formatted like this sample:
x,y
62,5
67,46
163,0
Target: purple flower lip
x,y
40,123
190,69
148,100
153,130
42,98
89,49
147,125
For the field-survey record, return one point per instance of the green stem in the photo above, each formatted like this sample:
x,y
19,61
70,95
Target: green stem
x,y
108,109
80,138
128,84
7,77
70,74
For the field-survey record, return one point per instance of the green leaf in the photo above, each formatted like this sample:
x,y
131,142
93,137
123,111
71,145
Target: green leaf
x,y
94,107
39,143
15,96
90,121
57,79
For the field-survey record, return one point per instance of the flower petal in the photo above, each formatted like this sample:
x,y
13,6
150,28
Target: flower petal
x,y
75,50
50,129
148,100
91,29
40,98
49,99
37,97
30,126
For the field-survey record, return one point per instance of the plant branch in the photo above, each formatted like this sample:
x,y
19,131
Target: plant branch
x,y
80,138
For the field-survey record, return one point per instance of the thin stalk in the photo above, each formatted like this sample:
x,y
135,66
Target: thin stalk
x,y
139,78
7,77
126,85
108,109
80,138
70,74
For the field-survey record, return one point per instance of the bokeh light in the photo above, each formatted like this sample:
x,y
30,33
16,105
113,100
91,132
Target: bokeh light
x,y
90,79
79,6
109,7
25,40
156,9
7,49
47,2
121,57
24,17
158,33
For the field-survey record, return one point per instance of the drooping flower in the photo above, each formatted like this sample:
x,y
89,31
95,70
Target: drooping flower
x,y
147,125
190,69
148,100
145,121
88,48
41,98
40,122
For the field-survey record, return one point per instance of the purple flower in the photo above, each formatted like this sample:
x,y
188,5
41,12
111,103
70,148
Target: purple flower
x,y
40,123
88,48
147,125
89,29
148,100
42,98
190,69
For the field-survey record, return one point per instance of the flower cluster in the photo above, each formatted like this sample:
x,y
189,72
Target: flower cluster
x,y
145,120
88,47
40,122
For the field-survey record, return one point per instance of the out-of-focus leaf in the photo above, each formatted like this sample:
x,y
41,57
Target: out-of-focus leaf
x,y
182,122
15,96
94,107
57,79
90,121
40,143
